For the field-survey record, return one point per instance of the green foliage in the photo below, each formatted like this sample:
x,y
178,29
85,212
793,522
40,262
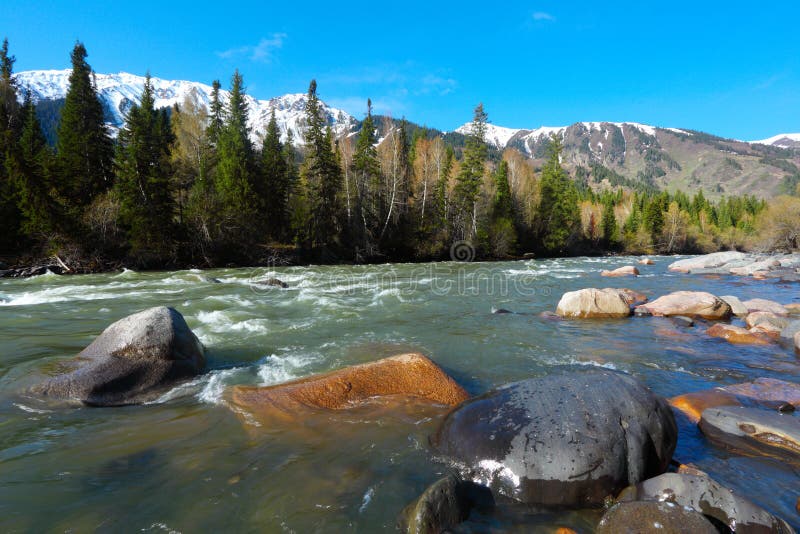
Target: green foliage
x,y
9,130
470,177
609,228
277,181
558,207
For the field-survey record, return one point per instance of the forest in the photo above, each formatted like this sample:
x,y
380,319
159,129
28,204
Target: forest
x,y
187,187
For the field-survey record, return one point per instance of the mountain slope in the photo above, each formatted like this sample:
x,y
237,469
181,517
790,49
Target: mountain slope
x,y
788,140
119,92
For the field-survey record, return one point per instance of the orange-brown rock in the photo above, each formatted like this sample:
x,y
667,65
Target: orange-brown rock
x,y
632,297
689,303
408,375
768,391
691,469
736,334
628,270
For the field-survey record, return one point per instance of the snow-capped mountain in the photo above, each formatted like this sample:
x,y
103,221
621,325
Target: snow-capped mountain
x,y
787,140
119,91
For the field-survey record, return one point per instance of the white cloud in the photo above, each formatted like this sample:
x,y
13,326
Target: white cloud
x,y
542,16
262,52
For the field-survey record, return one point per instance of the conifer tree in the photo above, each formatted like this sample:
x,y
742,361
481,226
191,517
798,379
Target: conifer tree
x,y
143,179
29,168
275,184
367,176
84,148
503,235
558,205
9,130
215,114
468,182
322,174
609,224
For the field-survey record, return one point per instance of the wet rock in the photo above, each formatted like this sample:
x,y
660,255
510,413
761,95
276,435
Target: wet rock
x,y
788,333
132,361
500,311
689,303
793,308
272,282
648,517
753,431
764,305
736,334
632,297
706,496
571,438
762,317
443,505
646,261
763,265
716,259
628,270
761,391
737,307
683,322
207,279
594,303
797,342
27,272
691,469
409,375
550,316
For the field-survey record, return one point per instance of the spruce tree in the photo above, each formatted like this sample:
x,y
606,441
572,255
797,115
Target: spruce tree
x,y
275,184
84,148
503,235
609,224
468,182
558,205
367,175
143,179
9,131
215,114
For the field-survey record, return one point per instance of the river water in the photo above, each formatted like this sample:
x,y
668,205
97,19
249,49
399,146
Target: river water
x,y
189,463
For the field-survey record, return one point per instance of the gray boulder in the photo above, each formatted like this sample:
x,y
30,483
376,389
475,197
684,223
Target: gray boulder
x,y
706,496
753,431
571,438
708,261
132,361
648,517
443,505
737,306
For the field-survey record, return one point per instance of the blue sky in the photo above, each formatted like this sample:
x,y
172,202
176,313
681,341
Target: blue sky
x,y
729,68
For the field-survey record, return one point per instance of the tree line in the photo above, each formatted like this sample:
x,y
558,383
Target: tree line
x,y
188,186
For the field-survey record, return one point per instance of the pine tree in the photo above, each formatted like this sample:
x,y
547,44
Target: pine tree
x,y
367,175
84,148
29,168
503,235
558,205
468,182
143,179
275,184
502,204
215,114
609,225
322,174
9,131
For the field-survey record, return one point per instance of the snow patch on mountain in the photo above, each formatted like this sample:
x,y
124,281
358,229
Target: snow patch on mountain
x,y
786,140
120,91
498,136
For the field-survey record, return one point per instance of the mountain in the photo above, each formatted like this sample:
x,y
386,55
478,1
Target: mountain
x,y
119,92
642,156
788,140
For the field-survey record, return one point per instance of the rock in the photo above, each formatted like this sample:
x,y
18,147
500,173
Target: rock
x,y
706,496
716,259
691,469
272,282
690,303
736,334
648,517
737,307
628,270
409,375
763,317
797,342
132,361
550,316
764,305
789,331
793,308
207,279
761,391
567,439
500,311
646,261
684,322
632,297
753,431
763,265
593,303
27,272
443,505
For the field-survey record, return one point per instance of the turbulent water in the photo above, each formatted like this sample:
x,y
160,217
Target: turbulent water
x,y
188,462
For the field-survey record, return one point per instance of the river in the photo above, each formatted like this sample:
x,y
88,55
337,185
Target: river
x,y
187,462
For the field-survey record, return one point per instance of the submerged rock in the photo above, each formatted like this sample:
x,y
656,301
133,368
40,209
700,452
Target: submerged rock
x,y
649,517
595,303
761,391
410,375
443,505
737,307
132,361
571,438
708,261
736,334
690,303
646,261
628,270
706,496
272,282
753,431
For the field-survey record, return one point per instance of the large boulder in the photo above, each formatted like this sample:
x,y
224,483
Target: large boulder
x,y
769,392
628,270
595,303
704,495
736,334
764,305
650,517
443,505
753,431
737,307
568,439
709,261
408,375
757,266
132,361
690,303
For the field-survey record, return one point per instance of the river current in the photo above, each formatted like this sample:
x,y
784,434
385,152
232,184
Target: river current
x,y
188,463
